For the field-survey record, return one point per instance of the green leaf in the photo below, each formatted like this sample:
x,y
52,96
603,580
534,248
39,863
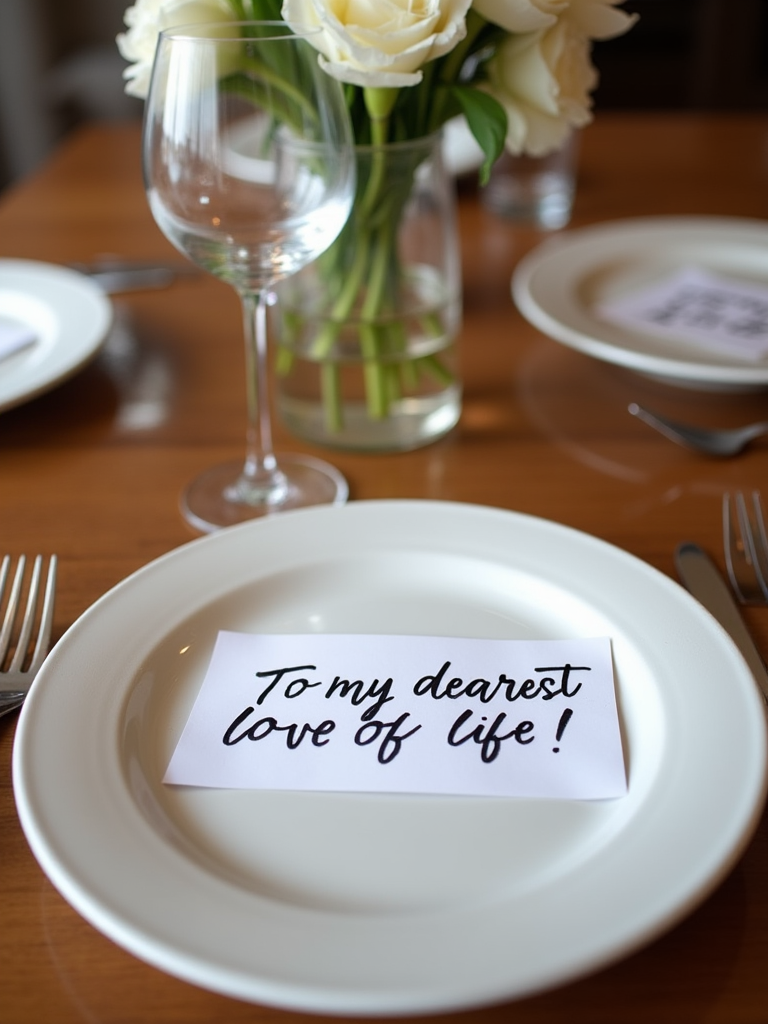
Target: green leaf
x,y
487,121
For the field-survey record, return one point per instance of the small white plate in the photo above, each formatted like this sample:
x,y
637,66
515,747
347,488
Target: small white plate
x,y
377,904
560,286
69,315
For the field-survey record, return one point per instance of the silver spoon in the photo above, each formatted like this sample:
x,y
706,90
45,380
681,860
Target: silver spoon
x,y
720,442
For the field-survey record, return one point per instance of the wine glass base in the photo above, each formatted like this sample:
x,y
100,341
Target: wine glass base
x,y
206,506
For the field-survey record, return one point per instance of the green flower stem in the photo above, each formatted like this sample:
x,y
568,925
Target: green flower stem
x,y
409,374
290,326
432,325
376,180
373,373
375,377
379,104
342,307
377,280
283,361
433,366
330,387
425,97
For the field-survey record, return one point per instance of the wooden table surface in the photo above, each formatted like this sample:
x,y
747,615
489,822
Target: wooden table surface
x,y
92,470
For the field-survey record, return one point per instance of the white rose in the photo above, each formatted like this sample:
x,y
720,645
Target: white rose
x,y
544,79
598,19
146,19
521,15
380,43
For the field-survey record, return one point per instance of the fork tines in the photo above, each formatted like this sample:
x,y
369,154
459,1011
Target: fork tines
x,y
746,546
16,636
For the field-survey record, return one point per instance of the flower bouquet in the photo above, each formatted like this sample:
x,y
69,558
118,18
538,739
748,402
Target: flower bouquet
x,y
366,335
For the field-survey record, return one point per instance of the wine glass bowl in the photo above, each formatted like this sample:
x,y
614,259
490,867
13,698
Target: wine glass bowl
x,y
249,171
261,220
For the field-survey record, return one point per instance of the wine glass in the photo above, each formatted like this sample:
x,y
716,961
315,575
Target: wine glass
x,y
249,171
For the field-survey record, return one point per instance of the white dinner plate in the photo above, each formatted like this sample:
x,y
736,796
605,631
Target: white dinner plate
x,y
384,904
69,316
560,286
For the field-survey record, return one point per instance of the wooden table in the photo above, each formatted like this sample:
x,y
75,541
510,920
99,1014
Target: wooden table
x,y
93,469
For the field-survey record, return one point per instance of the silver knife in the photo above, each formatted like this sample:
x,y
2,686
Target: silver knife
x,y
703,579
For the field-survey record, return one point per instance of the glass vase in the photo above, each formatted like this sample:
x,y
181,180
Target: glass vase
x,y
366,336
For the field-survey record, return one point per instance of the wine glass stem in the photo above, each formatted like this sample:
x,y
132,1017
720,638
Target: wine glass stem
x,y
261,480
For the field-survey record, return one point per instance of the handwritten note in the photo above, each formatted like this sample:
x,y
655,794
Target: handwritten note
x,y
718,313
405,714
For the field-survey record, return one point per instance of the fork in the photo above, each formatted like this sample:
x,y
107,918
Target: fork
x,y
16,679
746,547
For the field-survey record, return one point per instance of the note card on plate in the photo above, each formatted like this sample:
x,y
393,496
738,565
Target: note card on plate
x,y
405,714
718,313
14,336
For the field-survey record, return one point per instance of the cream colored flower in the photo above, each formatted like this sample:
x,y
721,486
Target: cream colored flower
x,y
598,19
544,79
380,43
521,15
146,19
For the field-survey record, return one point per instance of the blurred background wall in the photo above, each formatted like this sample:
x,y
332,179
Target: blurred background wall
x,y
59,66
